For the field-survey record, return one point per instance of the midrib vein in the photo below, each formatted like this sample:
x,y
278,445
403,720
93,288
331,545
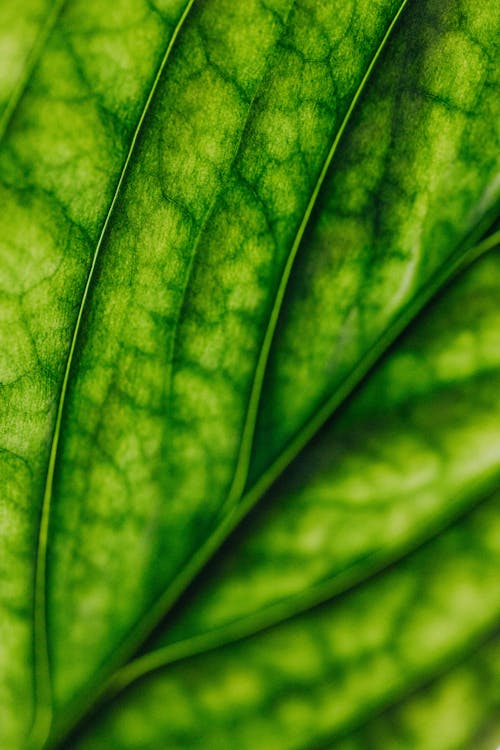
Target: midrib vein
x,y
29,68
43,690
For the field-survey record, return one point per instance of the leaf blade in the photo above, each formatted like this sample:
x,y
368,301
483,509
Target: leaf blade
x,y
185,485
47,228
335,244
207,331
415,448
309,669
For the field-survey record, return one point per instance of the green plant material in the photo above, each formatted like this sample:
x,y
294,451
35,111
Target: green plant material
x,y
411,462
458,711
184,289
415,448
191,189
389,228
61,153
317,676
22,32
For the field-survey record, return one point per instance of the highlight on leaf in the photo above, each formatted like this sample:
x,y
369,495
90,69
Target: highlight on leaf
x,y
249,374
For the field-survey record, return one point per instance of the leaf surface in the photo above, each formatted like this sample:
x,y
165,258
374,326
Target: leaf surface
x,y
191,189
457,711
391,225
179,300
61,152
22,32
416,447
155,410
311,679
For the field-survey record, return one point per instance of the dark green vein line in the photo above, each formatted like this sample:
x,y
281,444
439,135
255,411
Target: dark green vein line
x,y
339,586
43,710
243,461
31,62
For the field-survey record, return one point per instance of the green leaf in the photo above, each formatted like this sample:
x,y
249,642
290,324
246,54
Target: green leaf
x,y
63,140
315,677
23,30
414,449
191,189
407,473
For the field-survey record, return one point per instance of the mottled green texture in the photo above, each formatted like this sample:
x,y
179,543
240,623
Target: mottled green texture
x,y
416,446
183,286
22,30
457,711
316,676
177,176
390,218
60,158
